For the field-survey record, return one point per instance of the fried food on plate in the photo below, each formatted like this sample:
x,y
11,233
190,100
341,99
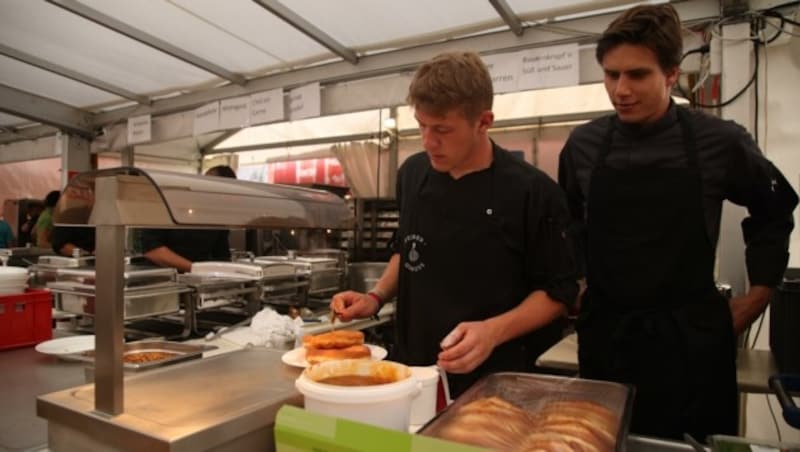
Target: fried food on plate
x,y
334,339
318,355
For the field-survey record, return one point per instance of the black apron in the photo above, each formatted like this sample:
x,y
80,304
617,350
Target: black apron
x,y
459,263
652,316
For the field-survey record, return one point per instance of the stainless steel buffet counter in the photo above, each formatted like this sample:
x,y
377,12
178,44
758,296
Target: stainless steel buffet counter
x,y
225,402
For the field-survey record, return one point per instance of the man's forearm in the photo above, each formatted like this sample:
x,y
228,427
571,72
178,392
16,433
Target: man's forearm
x,y
387,285
165,257
747,308
536,311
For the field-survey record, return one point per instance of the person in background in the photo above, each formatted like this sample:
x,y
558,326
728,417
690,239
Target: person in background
x,y
178,248
44,225
74,241
26,229
481,267
6,234
645,188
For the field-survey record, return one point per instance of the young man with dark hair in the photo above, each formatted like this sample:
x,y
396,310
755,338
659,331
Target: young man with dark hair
x,y
645,188
481,269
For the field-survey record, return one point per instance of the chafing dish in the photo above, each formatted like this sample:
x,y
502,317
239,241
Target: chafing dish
x,y
147,291
22,256
174,352
324,275
219,284
45,269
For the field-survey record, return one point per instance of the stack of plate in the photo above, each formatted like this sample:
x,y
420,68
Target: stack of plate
x,y
13,280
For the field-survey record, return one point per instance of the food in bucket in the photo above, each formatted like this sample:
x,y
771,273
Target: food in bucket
x,y
560,425
335,345
356,380
358,373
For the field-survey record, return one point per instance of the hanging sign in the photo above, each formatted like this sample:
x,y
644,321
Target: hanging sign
x,y
206,118
139,128
549,67
234,113
266,106
504,70
304,102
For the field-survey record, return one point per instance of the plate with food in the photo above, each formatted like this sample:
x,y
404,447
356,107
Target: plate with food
x,y
335,345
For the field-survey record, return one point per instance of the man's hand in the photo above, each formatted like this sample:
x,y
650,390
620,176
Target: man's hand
x,y
353,305
467,346
746,308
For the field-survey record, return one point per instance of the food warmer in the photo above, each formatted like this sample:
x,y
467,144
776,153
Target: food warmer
x,y
323,273
280,280
147,291
22,256
216,285
173,408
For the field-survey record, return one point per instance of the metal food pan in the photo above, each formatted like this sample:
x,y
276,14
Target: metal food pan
x,y
180,352
532,392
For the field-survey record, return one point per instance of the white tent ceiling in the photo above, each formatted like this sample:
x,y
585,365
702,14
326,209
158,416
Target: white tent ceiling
x,y
79,65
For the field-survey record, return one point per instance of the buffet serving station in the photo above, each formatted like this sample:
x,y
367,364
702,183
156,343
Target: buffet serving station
x,y
226,402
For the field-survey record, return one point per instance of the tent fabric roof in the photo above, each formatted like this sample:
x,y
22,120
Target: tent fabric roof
x,y
96,56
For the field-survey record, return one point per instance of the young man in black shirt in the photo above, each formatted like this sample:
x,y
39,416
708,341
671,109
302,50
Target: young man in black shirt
x,y
645,188
482,270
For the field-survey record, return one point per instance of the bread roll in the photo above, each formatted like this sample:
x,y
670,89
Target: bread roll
x,y
564,425
318,355
334,339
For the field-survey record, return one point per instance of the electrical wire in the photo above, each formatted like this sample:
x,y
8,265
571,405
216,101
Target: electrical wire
x,y
721,104
766,396
774,418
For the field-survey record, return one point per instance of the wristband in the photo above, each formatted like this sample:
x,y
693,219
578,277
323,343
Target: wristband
x,y
377,298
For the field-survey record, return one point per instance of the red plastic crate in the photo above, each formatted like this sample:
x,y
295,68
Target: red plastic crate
x,y
26,318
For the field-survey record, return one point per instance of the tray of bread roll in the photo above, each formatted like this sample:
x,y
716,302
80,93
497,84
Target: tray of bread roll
x,y
525,412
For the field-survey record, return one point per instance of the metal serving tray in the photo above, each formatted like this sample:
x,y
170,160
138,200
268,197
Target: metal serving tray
x,y
532,391
180,352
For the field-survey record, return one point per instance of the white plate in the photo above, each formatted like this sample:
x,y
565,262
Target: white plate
x,y
67,345
297,357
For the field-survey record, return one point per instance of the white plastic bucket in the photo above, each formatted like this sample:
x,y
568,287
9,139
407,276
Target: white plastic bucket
x,y
13,280
386,405
423,407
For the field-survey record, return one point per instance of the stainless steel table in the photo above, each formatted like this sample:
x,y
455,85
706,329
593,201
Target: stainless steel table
x,y
225,402
753,367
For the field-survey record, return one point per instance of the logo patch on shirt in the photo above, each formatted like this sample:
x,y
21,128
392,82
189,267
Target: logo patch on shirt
x,y
413,244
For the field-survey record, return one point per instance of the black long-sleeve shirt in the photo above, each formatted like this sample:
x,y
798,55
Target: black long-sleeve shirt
x,y
732,167
196,245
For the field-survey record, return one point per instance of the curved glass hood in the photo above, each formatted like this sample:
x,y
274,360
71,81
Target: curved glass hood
x,y
149,198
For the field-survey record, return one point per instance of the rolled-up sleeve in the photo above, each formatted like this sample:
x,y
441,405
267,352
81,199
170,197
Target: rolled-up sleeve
x,y
551,257
755,183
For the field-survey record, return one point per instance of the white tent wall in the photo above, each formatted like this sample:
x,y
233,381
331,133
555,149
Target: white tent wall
x,y
29,179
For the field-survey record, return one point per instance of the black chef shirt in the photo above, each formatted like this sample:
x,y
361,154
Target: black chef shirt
x,y
532,212
732,167
196,245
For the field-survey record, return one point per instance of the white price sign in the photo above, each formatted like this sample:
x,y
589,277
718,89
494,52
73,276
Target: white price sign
x,y
234,113
304,102
266,106
504,70
206,118
549,67
139,128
